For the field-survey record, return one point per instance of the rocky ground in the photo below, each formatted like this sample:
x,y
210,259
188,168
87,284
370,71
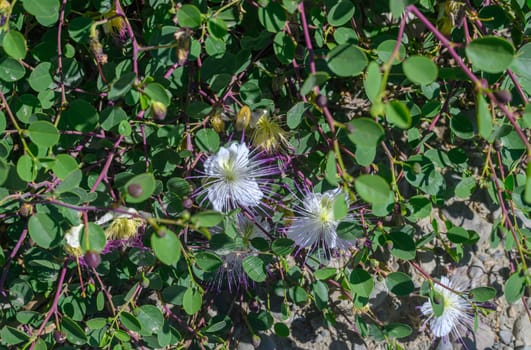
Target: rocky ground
x,y
506,327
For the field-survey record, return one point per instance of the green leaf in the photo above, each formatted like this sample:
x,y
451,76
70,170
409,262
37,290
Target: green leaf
x,y
207,140
420,69
81,116
44,134
365,131
340,207
295,114
320,293
111,117
462,127
130,321
399,283
157,92
403,246
482,294
79,29
26,168
325,273
272,17
346,60
12,336
465,187
140,188
207,261
167,247
484,118
284,47
207,218
313,80
254,267
398,114
490,54
11,70
4,171
217,27
43,230
514,287
331,171
282,246
46,11
281,329
459,235
386,48
189,16
340,13
398,7
74,333
95,240
150,318
421,206
373,81
373,189
397,330
362,285
192,301
121,86
261,321
14,44
527,190
71,181
40,78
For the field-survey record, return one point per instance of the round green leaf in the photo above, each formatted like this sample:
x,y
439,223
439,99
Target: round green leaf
x,y
373,188
46,11
514,287
3,122
398,330
4,172
373,81
272,17
40,78
192,301
362,285
217,27
482,294
490,54
340,13
150,318
157,92
282,246
420,69
74,333
254,267
81,116
207,218
461,125
403,246
284,47
130,321
26,168
398,114
207,140
94,239
79,29
111,117
385,49
399,283
167,247
189,16
14,44
43,230
365,132
146,183
11,70
346,60
207,261
281,329
44,134
121,86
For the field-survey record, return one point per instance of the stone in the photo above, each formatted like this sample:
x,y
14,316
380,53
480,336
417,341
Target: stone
x,y
522,331
506,336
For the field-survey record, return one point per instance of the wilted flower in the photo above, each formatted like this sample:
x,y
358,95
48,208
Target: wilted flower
x,y
243,118
456,315
235,178
73,240
316,225
267,132
115,25
122,226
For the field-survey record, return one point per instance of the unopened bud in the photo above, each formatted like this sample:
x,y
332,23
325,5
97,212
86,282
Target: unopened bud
x,y
503,96
217,122
60,337
26,210
243,118
93,259
135,190
321,100
187,203
159,110
256,341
